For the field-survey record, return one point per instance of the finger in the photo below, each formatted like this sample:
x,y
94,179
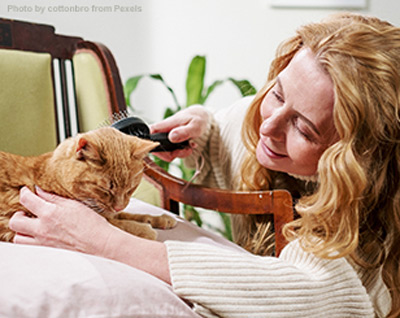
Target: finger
x,y
169,123
166,156
169,156
32,202
20,223
180,134
191,130
49,197
24,239
182,153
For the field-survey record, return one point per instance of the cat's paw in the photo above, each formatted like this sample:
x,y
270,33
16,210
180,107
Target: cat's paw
x,y
147,233
140,229
163,221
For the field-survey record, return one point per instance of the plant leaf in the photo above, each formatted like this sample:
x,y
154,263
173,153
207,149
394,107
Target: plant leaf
x,y
187,173
130,86
244,86
169,112
195,80
210,90
191,214
163,164
226,220
161,79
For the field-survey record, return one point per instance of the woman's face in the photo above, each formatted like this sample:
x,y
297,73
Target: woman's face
x,y
297,116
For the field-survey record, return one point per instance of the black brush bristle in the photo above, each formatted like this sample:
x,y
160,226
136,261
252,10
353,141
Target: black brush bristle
x,y
135,126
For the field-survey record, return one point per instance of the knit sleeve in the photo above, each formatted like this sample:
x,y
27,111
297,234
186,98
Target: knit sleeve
x,y
201,154
223,283
220,150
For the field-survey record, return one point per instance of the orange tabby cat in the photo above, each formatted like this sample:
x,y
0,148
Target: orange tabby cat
x,y
101,168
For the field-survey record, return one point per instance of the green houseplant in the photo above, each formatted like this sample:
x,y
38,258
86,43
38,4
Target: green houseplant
x,y
196,93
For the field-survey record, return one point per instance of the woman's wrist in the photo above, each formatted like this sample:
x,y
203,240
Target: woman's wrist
x,y
146,255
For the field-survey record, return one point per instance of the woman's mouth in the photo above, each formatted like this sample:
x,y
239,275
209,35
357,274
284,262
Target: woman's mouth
x,y
272,154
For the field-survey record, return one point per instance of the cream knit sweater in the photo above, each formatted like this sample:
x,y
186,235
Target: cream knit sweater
x,y
222,283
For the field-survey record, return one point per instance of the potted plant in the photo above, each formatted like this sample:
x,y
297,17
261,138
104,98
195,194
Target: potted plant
x,y
196,93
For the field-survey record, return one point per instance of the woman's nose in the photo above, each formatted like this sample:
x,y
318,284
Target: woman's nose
x,y
274,127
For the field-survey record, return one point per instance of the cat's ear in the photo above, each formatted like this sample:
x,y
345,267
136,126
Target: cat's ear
x,y
86,150
143,147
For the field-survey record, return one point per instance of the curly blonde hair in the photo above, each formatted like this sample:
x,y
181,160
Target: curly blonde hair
x,y
355,209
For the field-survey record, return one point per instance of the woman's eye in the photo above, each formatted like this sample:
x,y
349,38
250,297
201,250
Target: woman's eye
x,y
278,97
302,131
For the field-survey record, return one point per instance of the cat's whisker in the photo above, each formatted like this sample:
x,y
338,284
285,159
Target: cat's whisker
x,y
139,172
94,205
104,123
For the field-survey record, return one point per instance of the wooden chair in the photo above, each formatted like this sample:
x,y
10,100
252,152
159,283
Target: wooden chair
x,y
52,86
173,190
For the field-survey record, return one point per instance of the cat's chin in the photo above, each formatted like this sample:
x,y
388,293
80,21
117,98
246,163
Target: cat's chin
x,y
98,207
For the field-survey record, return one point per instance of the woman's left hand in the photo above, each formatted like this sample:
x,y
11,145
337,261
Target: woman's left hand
x,y
60,222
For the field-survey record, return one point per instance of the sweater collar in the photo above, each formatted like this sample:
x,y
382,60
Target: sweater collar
x,y
313,178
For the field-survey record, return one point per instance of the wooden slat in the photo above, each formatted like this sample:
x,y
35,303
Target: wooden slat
x,y
279,203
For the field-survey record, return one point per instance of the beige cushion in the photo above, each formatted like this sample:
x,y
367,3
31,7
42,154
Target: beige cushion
x,y
27,115
91,92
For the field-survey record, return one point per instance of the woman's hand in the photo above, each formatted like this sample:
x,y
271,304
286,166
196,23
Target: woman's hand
x,y
187,124
69,224
60,222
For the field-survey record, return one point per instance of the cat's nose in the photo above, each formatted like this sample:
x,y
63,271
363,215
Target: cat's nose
x,y
118,208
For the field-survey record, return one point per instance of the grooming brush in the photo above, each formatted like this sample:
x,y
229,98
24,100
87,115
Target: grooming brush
x,y
135,126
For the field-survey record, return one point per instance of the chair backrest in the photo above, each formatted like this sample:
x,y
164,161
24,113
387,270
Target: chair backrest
x,y
52,86
173,190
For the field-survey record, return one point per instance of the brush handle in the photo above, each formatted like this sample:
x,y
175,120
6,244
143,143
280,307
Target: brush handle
x,y
166,144
134,126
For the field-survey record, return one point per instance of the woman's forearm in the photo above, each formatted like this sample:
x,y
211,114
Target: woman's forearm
x,y
146,255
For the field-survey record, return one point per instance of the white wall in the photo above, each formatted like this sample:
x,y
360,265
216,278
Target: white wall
x,y
237,36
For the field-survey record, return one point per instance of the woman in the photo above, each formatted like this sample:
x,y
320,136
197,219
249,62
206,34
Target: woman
x,y
330,113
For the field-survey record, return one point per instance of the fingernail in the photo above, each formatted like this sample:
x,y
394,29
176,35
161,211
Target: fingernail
x,y
173,135
23,189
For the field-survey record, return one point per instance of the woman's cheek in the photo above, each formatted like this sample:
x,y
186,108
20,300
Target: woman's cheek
x,y
304,157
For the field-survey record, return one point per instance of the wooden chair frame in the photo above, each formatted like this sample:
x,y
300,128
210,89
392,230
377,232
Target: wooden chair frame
x,y
173,190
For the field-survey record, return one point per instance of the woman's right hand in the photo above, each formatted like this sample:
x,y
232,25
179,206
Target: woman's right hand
x,y
188,124
60,222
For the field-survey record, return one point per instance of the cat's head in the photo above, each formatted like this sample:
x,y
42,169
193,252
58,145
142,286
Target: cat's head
x,y
101,168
